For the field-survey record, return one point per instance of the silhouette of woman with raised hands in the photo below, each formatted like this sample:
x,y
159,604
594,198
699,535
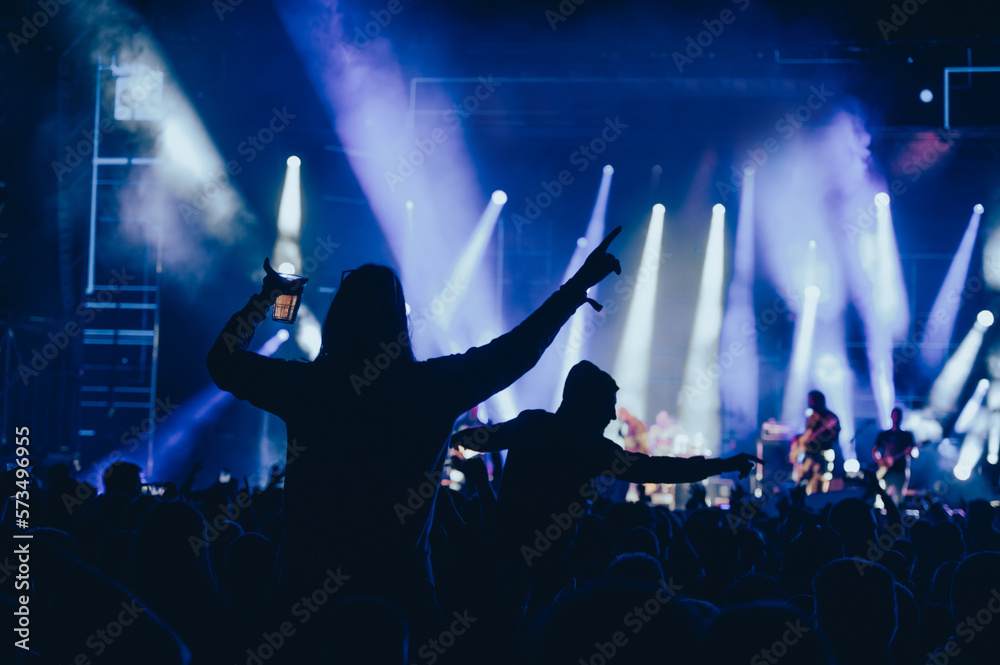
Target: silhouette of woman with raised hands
x,y
366,525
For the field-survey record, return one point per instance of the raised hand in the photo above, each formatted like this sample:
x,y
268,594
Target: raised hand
x,y
274,284
599,264
744,463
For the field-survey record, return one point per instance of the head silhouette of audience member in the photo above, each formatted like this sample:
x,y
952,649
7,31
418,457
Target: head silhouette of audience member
x,y
620,518
592,548
636,568
856,610
58,472
368,311
907,624
937,626
749,588
589,400
920,533
616,622
113,552
226,532
896,564
123,478
906,547
169,570
946,543
250,563
138,507
813,548
854,522
975,604
639,539
980,534
944,575
765,633
60,513
365,629
169,566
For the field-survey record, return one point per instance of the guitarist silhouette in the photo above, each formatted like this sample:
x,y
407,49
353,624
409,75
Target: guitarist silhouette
x,y
892,454
811,453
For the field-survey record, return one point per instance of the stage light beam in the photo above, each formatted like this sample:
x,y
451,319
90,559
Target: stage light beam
x,y
941,324
948,386
798,372
971,408
700,414
634,351
571,341
457,287
738,392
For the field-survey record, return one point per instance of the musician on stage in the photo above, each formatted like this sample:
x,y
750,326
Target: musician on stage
x,y
892,454
812,452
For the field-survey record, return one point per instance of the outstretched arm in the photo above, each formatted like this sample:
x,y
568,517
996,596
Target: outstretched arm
x,y
468,379
641,468
246,374
501,436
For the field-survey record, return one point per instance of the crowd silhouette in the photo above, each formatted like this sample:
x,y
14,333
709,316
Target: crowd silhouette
x,y
530,564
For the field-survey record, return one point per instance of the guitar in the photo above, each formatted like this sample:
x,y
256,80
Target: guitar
x,y
888,461
803,464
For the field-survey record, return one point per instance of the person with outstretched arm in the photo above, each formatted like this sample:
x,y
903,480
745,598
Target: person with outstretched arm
x,y
359,495
554,461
